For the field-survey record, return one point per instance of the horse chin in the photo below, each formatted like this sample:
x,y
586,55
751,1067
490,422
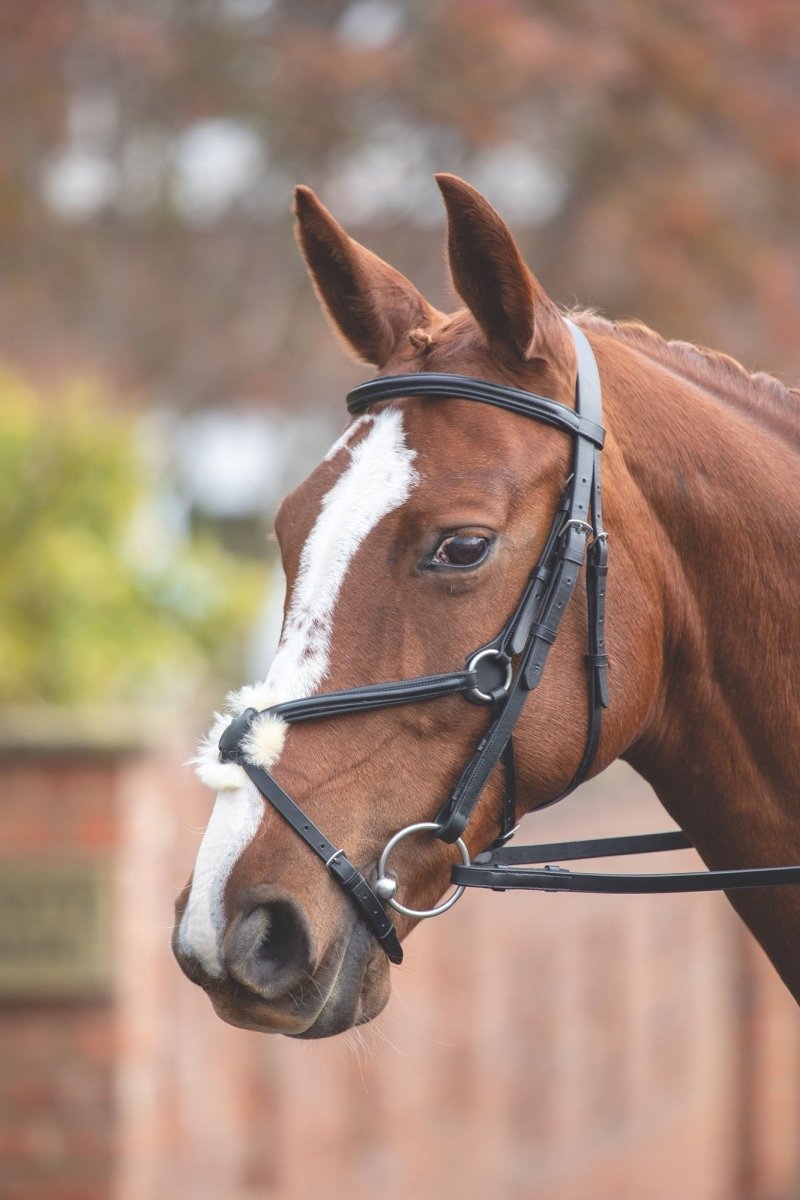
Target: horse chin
x,y
360,991
355,987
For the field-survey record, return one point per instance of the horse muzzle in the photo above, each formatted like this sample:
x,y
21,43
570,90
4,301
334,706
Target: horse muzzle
x,y
272,980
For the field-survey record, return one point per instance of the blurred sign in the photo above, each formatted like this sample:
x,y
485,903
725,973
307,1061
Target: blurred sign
x,y
54,919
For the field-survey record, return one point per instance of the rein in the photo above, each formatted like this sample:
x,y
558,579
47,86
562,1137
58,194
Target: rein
x,y
500,674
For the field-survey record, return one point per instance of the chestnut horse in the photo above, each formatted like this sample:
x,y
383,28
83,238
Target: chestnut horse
x,y
410,545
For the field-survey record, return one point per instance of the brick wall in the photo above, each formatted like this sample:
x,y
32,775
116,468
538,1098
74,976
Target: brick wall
x,y
536,1047
57,1055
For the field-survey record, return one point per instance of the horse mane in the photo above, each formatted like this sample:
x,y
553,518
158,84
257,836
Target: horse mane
x,y
765,397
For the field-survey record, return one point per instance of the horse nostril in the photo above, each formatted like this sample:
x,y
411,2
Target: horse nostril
x,y
268,947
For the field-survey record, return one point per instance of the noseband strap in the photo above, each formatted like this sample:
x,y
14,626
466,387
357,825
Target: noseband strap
x,y
349,878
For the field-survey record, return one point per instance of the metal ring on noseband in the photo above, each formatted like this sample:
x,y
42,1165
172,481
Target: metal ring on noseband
x,y
386,885
476,658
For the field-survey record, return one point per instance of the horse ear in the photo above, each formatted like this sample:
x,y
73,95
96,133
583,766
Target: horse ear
x,y
490,275
372,305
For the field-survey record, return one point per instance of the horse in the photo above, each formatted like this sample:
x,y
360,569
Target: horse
x,y
414,541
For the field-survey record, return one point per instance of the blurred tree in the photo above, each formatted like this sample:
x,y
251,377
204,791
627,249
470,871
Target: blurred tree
x,y
647,152
98,602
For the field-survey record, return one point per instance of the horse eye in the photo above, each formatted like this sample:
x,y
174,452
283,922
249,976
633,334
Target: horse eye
x,y
461,551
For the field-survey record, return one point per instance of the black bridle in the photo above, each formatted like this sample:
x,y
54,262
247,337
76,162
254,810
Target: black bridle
x,y
501,674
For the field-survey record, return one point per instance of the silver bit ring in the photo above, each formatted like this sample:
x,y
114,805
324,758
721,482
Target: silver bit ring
x,y
386,885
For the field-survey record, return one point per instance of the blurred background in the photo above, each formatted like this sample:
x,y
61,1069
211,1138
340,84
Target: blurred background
x,y
165,376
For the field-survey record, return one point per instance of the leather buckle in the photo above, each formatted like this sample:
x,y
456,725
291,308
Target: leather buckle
x,y
230,742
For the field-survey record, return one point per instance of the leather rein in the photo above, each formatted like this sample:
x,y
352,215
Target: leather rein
x,y
500,675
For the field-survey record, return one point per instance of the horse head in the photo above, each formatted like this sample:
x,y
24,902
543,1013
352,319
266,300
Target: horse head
x,y
407,547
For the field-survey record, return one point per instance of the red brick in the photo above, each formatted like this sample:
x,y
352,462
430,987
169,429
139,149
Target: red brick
x,y
547,1047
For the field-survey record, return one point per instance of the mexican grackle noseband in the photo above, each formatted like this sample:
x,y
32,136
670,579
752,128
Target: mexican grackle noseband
x,y
501,674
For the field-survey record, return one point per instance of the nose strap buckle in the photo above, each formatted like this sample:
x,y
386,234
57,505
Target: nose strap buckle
x,y
352,882
230,744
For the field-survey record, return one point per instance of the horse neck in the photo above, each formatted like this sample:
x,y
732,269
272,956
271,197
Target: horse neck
x,y
722,491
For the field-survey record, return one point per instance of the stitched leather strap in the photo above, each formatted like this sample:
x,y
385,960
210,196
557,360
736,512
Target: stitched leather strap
x,y
495,869
527,404
613,847
534,626
373,696
558,879
588,398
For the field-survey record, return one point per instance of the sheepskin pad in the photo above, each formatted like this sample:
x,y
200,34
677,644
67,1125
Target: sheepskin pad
x,y
262,746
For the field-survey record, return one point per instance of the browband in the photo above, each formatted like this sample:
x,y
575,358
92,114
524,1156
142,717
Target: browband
x,y
465,387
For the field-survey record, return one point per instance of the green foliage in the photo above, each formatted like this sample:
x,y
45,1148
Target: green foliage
x,y
97,602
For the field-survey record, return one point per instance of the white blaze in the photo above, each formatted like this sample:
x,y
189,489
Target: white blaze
x,y
377,480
